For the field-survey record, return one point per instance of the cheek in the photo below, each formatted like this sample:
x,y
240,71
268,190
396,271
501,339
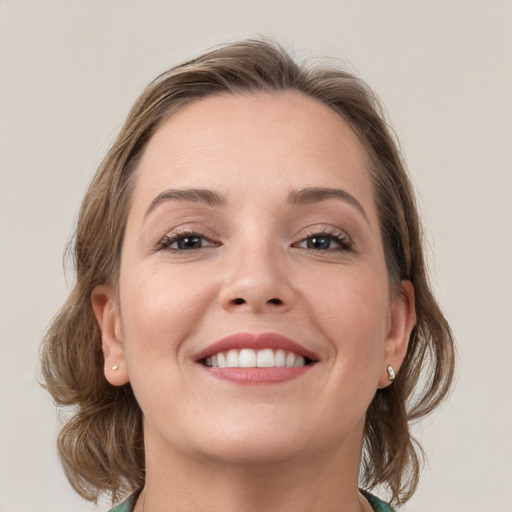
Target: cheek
x,y
159,308
352,309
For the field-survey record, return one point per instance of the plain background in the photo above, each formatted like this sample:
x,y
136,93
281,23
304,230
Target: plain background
x,y
69,72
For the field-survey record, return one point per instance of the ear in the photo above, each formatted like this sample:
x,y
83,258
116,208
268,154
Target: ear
x,y
107,315
402,319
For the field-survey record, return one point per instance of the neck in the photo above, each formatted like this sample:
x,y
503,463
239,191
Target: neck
x,y
325,482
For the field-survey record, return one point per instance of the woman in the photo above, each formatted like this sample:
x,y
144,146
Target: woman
x,y
252,326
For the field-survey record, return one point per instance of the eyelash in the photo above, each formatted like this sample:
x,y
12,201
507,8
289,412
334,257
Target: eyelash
x,y
168,240
344,242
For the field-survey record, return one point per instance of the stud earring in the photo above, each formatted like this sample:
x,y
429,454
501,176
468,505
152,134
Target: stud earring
x,y
115,367
391,373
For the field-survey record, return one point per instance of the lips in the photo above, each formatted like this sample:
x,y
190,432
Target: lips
x,y
256,358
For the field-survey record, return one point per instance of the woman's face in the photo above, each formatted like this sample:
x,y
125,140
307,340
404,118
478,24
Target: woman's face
x,y
254,317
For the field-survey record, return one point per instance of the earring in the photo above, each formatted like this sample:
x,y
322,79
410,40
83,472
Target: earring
x,y
115,367
391,373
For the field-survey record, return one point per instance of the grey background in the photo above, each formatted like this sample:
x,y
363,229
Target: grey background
x,y
69,71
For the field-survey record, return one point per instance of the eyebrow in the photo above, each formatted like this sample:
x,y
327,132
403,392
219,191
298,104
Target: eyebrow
x,y
310,195
196,195
314,195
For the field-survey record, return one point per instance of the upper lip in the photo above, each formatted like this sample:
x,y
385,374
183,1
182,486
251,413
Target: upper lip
x,y
255,342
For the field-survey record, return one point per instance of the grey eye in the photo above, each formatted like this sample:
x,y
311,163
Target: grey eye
x,y
185,242
319,242
188,242
326,242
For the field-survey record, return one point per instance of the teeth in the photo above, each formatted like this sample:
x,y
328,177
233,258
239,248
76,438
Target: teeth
x,y
280,358
290,360
249,358
299,361
265,358
221,359
232,359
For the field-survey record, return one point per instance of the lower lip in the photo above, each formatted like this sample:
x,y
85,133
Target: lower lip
x,y
258,376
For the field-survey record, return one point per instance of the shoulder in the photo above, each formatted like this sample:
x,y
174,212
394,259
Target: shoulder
x,y
377,504
126,506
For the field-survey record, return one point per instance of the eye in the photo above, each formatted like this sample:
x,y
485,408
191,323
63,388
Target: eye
x,y
184,242
334,241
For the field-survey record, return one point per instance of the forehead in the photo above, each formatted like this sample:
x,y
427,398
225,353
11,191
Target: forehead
x,y
253,141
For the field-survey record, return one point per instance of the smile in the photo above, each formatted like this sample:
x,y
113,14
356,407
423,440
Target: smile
x,y
256,358
250,358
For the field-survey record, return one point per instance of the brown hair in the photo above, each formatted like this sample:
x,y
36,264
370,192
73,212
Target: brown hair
x,y
101,444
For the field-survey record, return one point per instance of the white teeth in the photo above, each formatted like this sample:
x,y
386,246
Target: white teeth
x,y
280,359
232,358
249,358
221,359
265,358
299,361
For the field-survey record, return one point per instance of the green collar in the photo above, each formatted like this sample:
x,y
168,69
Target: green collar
x,y
377,504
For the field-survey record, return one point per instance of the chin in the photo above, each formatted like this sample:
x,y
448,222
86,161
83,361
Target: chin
x,y
265,442
256,451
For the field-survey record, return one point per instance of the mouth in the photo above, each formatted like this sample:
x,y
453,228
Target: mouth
x,y
248,358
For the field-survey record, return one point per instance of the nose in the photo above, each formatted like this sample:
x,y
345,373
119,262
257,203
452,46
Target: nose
x,y
257,281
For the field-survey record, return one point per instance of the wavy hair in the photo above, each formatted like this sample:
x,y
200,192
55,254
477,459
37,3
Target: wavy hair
x,y
101,443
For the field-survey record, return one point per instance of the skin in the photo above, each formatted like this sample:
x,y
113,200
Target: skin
x,y
216,445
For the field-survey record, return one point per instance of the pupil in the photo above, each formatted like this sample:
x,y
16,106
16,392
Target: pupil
x,y
319,242
190,242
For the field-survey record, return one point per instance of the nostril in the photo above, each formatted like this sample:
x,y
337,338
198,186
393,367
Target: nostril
x,y
278,302
239,301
